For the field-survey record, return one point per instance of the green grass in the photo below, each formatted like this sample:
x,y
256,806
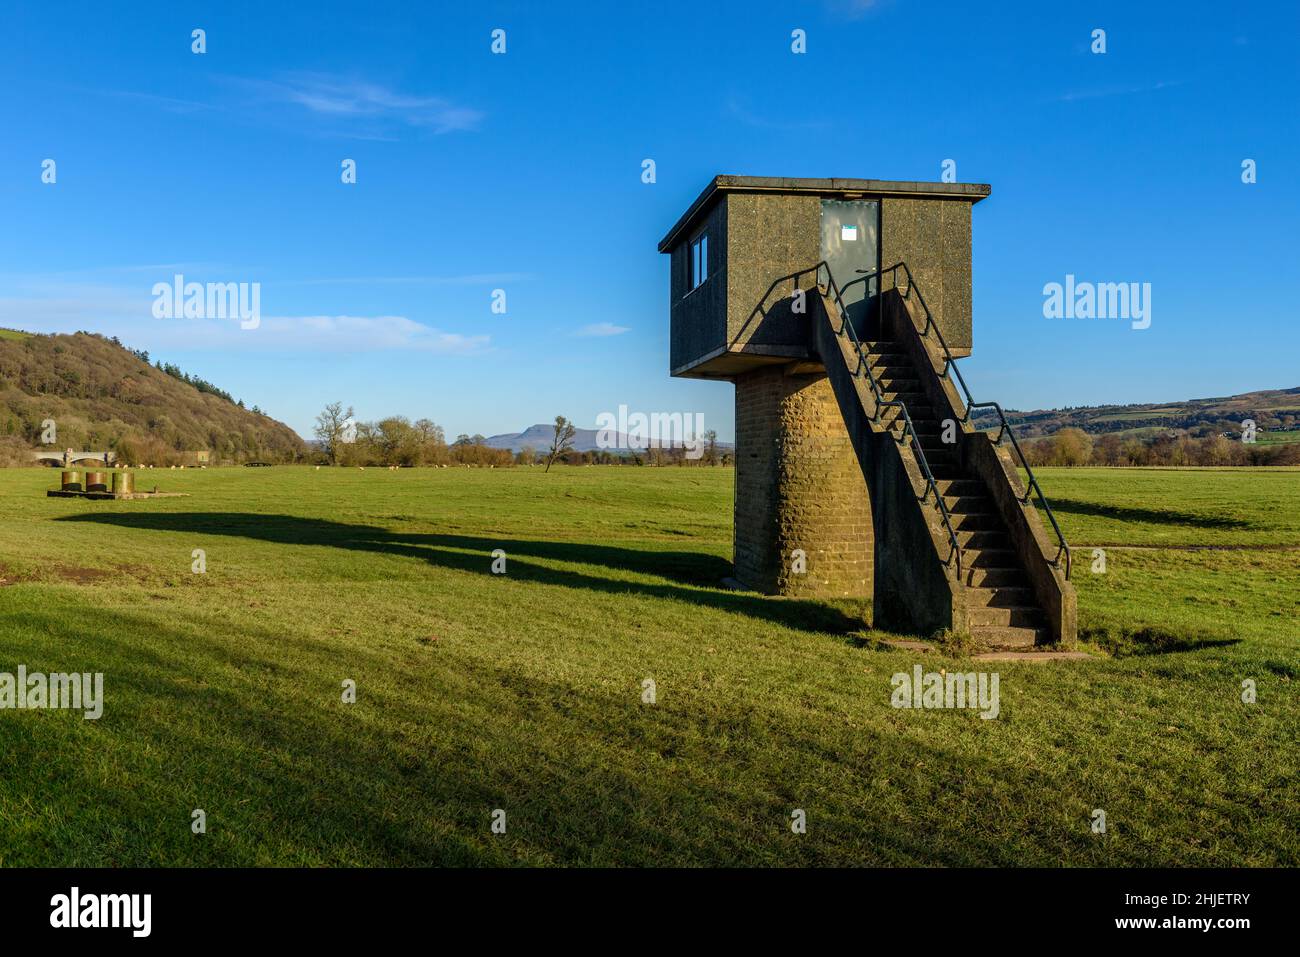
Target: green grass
x,y
523,691
1277,438
14,334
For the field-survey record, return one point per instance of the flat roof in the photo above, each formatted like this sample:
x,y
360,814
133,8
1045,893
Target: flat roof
x,y
971,192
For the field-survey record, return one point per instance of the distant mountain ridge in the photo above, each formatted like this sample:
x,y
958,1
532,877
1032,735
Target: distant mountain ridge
x,y
539,437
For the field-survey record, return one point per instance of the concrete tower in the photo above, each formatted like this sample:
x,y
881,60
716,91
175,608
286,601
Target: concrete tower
x,y
798,483
817,488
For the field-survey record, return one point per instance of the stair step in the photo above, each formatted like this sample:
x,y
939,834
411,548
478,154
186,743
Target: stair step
x,y
917,405
891,365
900,383
922,429
983,538
898,359
1009,636
918,414
1021,596
1020,616
994,577
990,557
966,504
961,487
922,412
940,456
976,521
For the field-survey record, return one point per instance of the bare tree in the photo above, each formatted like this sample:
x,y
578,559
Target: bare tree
x,y
711,446
563,441
330,427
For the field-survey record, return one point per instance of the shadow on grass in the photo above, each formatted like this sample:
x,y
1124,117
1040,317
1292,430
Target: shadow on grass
x,y
249,726
693,576
1154,516
1122,641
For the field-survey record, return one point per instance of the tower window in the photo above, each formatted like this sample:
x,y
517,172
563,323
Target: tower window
x,y
699,260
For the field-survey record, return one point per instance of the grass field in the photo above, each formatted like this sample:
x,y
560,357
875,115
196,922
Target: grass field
x,y
523,691
1278,438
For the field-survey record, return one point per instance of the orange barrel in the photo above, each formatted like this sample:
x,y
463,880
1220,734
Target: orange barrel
x,y
96,482
71,481
123,483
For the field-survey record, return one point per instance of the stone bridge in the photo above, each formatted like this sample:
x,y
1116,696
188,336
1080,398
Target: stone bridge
x,y
68,456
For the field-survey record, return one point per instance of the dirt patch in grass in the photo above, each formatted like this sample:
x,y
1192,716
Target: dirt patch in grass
x,y
81,575
77,574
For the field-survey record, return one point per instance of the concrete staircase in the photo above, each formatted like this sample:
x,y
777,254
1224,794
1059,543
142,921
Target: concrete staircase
x,y
1002,610
1004,583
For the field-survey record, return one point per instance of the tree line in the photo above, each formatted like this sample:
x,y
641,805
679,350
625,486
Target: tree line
x,y
1074,447
396,440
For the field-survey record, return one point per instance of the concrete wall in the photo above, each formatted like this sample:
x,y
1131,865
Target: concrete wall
x,y
768,235
933,236
798,486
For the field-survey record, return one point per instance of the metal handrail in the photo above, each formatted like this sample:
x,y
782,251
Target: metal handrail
x,y
931,486
950,363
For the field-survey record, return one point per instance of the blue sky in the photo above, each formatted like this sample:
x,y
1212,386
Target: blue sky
x,y
522,172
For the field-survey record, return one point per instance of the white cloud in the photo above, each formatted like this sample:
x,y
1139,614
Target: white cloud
x,y
358,334
351,98
110,311
602,329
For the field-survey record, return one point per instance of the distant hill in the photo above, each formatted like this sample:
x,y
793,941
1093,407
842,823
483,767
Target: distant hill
x,y
1274,410
538,437
102,395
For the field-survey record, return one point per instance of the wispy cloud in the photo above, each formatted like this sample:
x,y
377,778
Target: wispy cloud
x,y
351,98
1096,93
169,103
358,334
740,111
471,279
342,105
852,9
602,329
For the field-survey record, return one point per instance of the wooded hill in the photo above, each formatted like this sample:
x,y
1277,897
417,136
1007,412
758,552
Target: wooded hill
x,y
102,395
1272,410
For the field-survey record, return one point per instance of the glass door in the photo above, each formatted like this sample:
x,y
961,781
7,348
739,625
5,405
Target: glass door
x,y
850,244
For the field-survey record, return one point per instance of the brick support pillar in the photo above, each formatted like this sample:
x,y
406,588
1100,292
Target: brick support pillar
x,y
798,486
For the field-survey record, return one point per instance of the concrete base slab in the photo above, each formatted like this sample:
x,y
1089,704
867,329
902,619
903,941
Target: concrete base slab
x,y
1033,656
904,644
60,493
